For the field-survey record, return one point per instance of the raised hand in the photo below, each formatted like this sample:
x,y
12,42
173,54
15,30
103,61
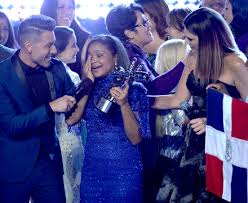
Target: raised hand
x,y
218,86
120,94
63,104
87,69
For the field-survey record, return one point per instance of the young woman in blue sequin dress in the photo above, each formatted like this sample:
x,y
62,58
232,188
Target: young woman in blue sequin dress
x,y
112,169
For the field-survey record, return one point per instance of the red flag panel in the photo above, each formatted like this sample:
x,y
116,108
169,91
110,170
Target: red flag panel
x,y
214,174
239,119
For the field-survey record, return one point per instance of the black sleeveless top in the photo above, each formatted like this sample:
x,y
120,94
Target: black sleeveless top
x,y
199,93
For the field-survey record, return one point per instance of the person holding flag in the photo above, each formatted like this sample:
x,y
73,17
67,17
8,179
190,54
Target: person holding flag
x,y
214,58
226,147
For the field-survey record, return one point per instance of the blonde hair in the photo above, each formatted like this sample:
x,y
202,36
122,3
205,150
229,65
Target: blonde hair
x,y
169,54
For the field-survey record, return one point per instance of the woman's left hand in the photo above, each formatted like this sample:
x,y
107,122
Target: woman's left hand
x,y
120,94
219,87
198,125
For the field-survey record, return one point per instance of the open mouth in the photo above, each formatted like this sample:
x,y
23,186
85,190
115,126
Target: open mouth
x,y
95,68
66,18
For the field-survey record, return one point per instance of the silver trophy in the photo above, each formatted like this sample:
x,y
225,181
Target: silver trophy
x,y
121,75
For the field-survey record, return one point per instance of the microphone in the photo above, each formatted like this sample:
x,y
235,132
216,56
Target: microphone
x,y
83,89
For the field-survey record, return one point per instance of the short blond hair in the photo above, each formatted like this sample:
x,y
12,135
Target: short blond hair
x,y
169,54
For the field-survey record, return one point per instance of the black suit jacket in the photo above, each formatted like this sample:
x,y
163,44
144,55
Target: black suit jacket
x,y
19,148
6,52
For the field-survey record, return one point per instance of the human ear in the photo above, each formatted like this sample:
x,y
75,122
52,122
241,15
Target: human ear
x,y
129,34
28,46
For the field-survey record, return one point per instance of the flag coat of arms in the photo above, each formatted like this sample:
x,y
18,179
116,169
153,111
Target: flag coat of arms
x,y
227,147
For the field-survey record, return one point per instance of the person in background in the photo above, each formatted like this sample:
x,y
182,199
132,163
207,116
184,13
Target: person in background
x,y
174,21
33,87
156,12
69,136
217,5
170,132
169,54
67,49
236,15
63,12
133,28
165,83
7,37
112,169
130,24
214,58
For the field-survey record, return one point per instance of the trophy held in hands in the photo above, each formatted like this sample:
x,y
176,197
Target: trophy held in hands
x,y
122,75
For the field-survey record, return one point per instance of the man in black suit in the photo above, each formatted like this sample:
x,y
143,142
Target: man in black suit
x,y
5,52
33,86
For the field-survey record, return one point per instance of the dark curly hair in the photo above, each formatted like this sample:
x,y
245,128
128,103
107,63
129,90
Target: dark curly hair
x,y
121,18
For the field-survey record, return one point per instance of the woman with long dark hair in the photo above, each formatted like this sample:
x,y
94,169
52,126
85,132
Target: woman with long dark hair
x,y
236,15
63,12
7,37
112,169
70,137
214,58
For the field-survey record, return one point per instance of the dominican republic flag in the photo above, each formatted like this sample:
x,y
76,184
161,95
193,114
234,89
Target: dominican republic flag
x,y
227,147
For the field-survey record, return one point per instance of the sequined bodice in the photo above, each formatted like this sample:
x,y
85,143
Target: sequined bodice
x,y
194,86
99,123
196,89
199,93
112,170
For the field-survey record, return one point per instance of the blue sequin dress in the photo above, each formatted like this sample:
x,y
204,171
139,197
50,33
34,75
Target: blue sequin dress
x,y
112,170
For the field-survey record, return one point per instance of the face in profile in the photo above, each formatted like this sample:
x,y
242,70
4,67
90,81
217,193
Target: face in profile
x,y
191,40
152,23
142,34
4,31
43,49
102,60
217,5
70,52
227,12
65,12
173,32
